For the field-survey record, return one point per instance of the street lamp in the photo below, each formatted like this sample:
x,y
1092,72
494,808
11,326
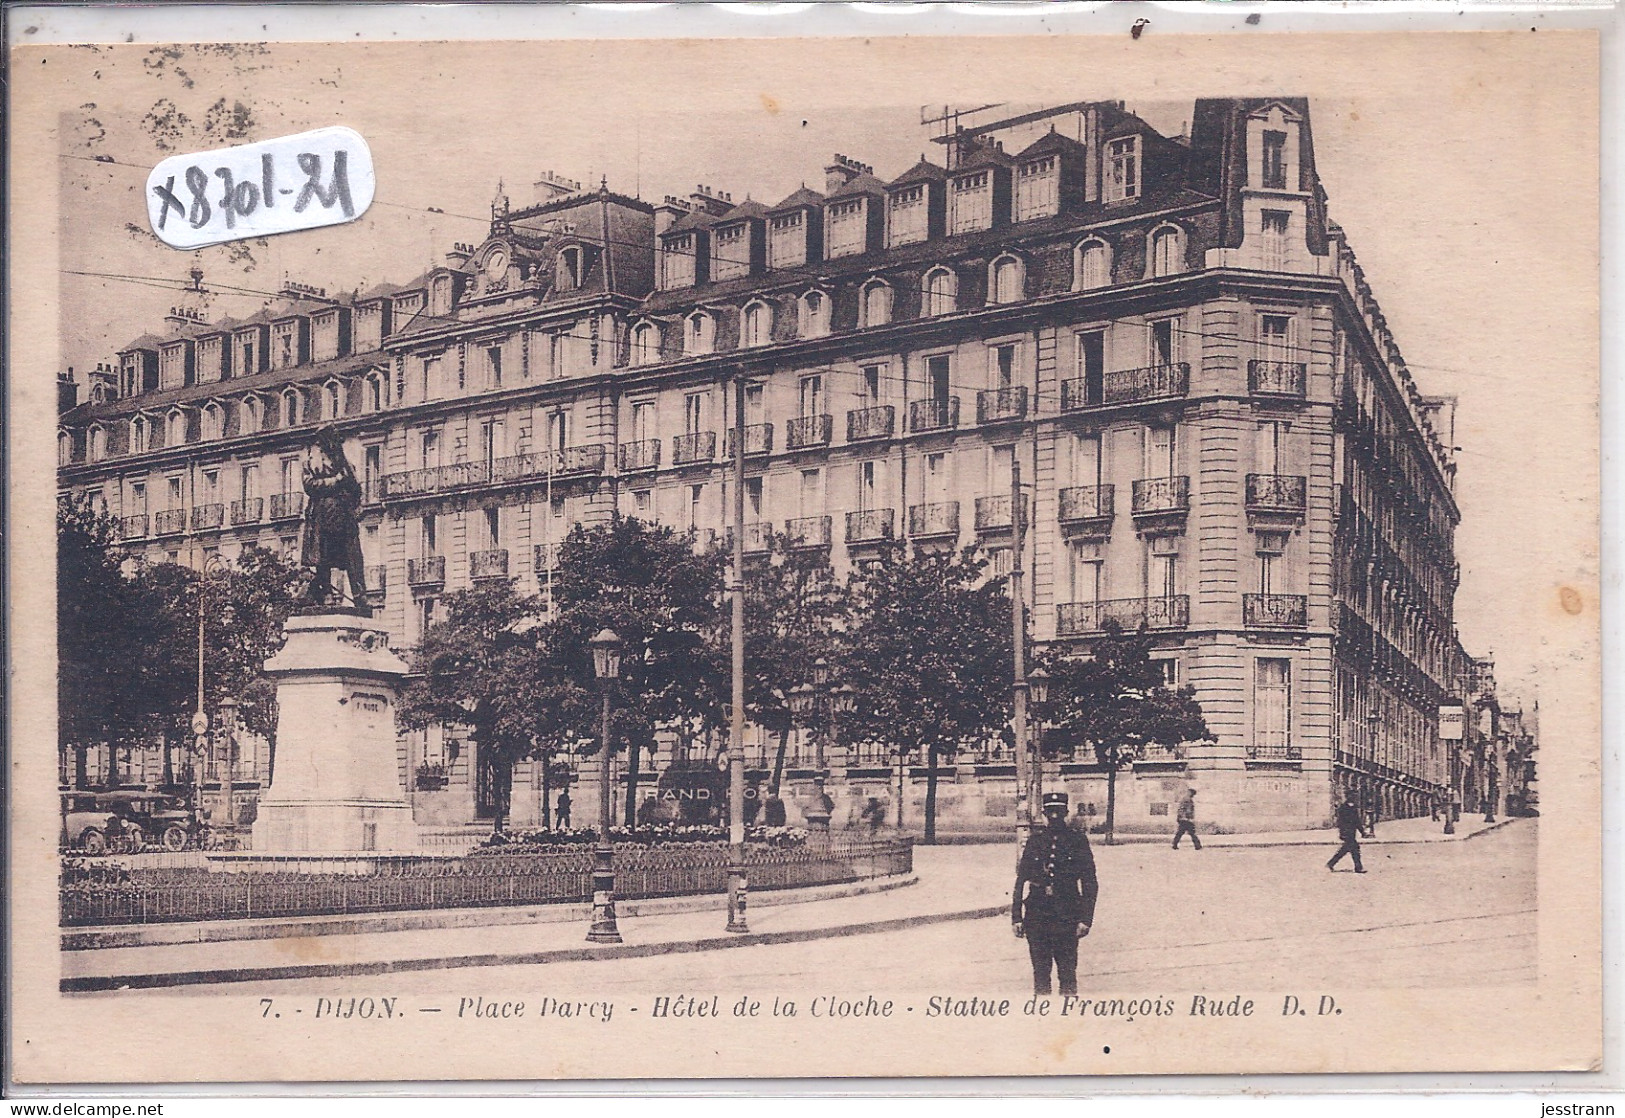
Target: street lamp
x,y
228,757
606,665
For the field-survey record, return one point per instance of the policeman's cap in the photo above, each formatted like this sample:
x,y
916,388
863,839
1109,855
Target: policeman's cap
x,y
1055,799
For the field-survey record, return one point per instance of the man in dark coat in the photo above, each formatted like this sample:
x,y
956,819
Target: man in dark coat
x,y
1054,901
1348,829
1186,820
331,541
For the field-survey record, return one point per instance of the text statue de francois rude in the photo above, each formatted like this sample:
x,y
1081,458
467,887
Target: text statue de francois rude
x,y
330,539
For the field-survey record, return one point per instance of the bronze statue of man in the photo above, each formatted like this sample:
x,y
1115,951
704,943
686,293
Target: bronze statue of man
x,y
330,539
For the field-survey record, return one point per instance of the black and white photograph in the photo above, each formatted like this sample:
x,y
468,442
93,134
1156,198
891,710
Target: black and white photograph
x,y
621,558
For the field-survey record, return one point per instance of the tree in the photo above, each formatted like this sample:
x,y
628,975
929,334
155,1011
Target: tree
x,y
1116,701
794,606
480,666
930,648
664,599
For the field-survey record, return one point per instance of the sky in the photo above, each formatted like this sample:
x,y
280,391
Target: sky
x,y
1464,193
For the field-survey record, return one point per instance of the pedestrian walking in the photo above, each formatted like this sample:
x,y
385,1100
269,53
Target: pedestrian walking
x,y
874,815
1348,829
1187,820
1053,905
563,813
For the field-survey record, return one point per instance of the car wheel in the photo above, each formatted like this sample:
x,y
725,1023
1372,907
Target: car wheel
x,y
93,841
174,837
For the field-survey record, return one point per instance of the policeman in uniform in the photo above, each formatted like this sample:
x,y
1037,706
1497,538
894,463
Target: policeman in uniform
x,y
1054,901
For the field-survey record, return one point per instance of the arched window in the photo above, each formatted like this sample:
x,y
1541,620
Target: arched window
x,y
699,334
64,447
440,296
1167,252
941,293
97,443
214,421
876,303
140,434
569,269
645,344
252,415
1006,280
375,392
290,409
756,325
175,428
814,315
332,400
1092,265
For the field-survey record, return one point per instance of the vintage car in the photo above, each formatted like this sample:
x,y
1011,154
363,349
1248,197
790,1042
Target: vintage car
x,y
125,821
87,823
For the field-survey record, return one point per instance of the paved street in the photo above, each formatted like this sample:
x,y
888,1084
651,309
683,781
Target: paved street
x,y
1427,914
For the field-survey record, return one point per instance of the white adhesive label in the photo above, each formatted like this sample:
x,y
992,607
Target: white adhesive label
x,y
305,181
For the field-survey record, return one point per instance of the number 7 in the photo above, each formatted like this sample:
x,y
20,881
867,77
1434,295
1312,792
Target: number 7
x,y
265,1007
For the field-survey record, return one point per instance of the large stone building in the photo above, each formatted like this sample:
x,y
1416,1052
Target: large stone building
x,y
1171,336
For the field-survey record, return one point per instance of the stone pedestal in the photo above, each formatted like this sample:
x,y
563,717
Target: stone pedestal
x,y
336,784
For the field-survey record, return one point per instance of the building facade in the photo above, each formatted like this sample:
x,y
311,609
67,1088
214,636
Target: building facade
x,y
1219,436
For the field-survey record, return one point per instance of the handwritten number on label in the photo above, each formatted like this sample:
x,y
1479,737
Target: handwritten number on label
x,y
239,199
338,190
198,182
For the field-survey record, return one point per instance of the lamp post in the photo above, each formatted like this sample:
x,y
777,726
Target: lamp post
x,y
228,758
843,699
606,665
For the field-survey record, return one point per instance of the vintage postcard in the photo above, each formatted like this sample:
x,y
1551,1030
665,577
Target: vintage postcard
x,y
895,556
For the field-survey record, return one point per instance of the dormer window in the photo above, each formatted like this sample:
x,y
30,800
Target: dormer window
x,y
730,252
440,295
252,415
214,421
1123,169
1167,252
1092,265
787,240
970,203
845,228
291,411
175,428
699,334
284,351
814,315
1038,189
568,269
877,300
96,443
140,434
677,261
332,401
756,325
172,366
940,293
645,344
247,355
907,216
1274,169
64,447
1007,280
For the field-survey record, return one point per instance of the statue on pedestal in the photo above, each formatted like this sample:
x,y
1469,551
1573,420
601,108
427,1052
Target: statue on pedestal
x,y
329,538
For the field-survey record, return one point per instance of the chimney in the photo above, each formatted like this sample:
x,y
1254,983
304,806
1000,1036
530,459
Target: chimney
x,y
67,391
459,254
667,213
842,171
716,203
551,186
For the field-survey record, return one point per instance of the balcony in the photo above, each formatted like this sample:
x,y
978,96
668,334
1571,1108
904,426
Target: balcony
x,y
934,520
133,527
487,565
808,431
1001,405
755,537
993,513
644,454
248,511
696,446
869,526
170,522
1276,752
1277,378
933,415
1154,756
1275,611
287,506
1085,508
1161,497
805,532
572,461
208,518
1138,386
426,573
1075,619
758,440
870,423
1276,493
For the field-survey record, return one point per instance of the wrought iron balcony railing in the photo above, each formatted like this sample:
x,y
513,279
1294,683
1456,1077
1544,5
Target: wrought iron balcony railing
x,y
808,430
1153,382
1084,503
489,564
171,522
696,446
133,527
993,513
572,461
206,518
805,531
430,570
870,423
1274,751
250,510
1276,493
644,454
1081,618
1277,378
1001,405
377,576
1151,753
755,537
869,525
1275,611
1161,496
287,506
933,415
1082,393
940,518
758,440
